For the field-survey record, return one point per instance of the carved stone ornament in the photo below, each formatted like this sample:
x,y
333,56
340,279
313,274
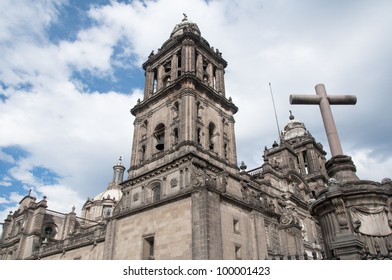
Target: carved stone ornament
x,y
245,193
289,217
173,182
117,210
286,219
340,211
375,221
197,177
136,197
222,182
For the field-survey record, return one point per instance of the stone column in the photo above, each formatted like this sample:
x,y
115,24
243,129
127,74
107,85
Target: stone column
x,y
161,70
199,67
109,244
149,82
206,227
188,55
188,115
210,72
220,82
232,144
174,67
135,145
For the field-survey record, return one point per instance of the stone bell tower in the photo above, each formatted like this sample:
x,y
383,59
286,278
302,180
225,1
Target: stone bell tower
x,y
183,156
184,108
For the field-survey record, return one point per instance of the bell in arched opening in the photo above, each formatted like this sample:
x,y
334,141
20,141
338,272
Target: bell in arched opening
x,y
159,134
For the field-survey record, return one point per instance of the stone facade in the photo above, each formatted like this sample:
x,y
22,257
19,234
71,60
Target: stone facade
x,y
185,197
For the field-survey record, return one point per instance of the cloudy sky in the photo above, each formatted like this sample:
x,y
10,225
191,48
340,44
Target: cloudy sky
x,y
70,71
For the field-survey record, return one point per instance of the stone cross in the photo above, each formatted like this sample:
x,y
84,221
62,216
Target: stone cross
x,y
324,102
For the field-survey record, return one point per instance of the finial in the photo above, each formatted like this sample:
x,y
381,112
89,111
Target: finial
x,y
185,17
120,161
291,116
29,193
243,166
73,208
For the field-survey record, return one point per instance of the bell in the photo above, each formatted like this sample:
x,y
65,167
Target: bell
x,y
160,145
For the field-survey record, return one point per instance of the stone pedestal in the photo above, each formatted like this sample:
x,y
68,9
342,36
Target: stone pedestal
x,y
348,247
342,168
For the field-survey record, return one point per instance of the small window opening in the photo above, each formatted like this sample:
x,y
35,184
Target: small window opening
x,y
236,226
211,131
175,133
176,109
154,87
143,153
166,81
238,254
156,193
305,158
199,136
148,248
107,211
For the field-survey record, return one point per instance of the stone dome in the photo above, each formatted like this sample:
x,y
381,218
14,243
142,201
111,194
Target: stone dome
x,y
294,129
185,25
115,194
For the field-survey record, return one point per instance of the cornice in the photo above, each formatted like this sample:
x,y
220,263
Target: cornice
x,y
178,85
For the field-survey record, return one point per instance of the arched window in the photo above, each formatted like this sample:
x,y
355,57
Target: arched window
x,y
198,109
143,153
156,193
144,127
305,158
175,134
176,109
211,132
155,81
198,135
166,81
159,134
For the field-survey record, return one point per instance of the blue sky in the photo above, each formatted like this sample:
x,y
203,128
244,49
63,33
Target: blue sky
x,y
70,71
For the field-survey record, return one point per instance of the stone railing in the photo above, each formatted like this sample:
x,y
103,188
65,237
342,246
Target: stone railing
x,y
79,238
255,172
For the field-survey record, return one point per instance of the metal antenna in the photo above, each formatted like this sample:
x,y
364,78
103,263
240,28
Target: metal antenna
x,y
276,116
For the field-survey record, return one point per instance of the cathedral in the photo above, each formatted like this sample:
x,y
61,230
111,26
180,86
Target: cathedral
x,y
186,197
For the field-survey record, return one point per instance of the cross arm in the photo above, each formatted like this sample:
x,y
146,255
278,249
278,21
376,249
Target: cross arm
x,y
342,99
305,99
315,99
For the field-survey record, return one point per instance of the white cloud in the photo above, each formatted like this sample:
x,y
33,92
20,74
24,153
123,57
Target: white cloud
x,y
92,50
370,167
22,19
6,157
3,200
15,197
61,197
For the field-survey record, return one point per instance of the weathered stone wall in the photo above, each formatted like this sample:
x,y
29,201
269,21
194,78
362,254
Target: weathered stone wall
x,y
170,225
243,233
